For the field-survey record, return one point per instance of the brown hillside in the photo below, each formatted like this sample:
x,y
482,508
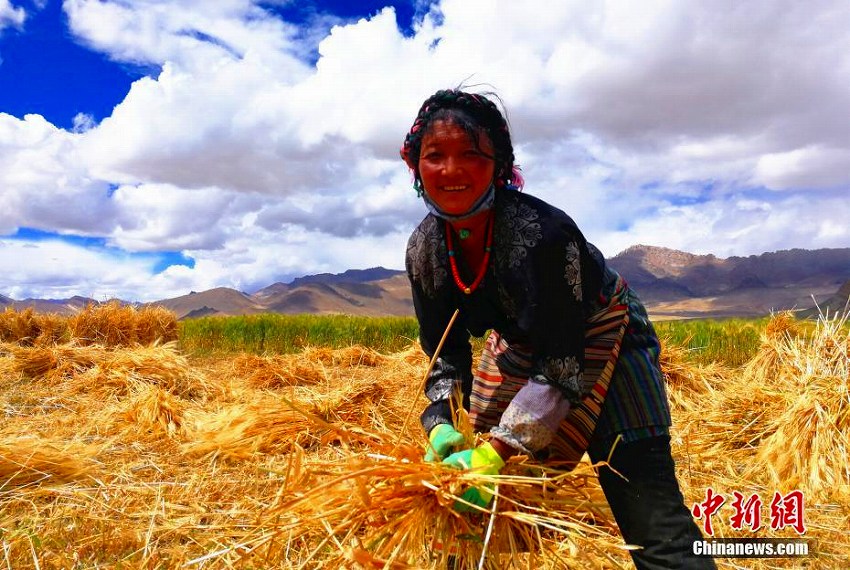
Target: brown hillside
x,y
677,284
378,298
664,262
222,300
836,304
60,306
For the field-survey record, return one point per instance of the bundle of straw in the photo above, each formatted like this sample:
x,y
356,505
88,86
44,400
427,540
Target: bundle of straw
x,y
153,412
155,324
29,328
270,425
113,324
354,355
399,511
814,371
267,372
159,364
18,326
357,402
28,461
781,328
54,363
113,372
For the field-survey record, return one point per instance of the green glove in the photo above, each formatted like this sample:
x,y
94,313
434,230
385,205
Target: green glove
x,y
443,438
483,459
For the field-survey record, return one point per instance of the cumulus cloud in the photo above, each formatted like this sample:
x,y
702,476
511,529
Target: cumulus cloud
x,y
188,33
11,15
719,227
44,183
266,150
56,269
153,217
814,166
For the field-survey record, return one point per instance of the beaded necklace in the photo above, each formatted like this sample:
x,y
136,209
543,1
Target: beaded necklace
x,y
483,267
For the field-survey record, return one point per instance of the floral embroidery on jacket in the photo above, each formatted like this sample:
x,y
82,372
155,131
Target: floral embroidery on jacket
x,y
426,255
518,232
565,373
572,269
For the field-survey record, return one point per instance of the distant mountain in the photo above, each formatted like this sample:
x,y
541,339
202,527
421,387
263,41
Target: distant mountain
x,y
835,304
202,312
350,276
679,284
379,297
220,300
376,291
61,306
673,284
270,291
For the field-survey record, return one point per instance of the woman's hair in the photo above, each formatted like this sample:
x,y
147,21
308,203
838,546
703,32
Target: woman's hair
x,y
475,114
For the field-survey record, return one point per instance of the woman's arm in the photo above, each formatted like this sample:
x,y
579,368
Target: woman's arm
x,y
434,308
560,265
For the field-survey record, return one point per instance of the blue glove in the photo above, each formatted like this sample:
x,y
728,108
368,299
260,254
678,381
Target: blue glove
x,y
443,440
482,459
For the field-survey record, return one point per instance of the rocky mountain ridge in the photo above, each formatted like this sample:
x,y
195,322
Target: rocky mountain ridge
x,y
673,284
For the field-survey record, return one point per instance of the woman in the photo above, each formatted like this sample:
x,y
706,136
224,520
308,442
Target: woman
x,y
571,364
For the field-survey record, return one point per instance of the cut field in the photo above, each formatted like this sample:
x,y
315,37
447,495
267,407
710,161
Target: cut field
x,y
120,452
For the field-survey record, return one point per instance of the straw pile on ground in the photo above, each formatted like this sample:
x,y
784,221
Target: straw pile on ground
x,y
109,325
129,453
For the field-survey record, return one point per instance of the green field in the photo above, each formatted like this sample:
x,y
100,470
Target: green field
x,y
281,334
730,341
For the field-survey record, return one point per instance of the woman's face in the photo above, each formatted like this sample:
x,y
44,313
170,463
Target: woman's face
x,y
454,172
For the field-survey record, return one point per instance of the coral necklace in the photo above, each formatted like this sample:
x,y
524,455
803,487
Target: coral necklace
x,y
482,269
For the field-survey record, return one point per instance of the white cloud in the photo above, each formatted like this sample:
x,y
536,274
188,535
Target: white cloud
x,y
55,269
809,167
43,182
188,33
83,122
710,127
153,217
11,15
740,226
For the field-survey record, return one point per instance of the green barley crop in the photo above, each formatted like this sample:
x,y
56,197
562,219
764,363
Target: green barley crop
x,y
729,341
280,334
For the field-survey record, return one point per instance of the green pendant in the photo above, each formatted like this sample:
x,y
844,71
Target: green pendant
x,y
463,233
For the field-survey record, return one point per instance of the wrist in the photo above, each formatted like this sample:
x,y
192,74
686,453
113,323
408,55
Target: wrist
x,y
504,450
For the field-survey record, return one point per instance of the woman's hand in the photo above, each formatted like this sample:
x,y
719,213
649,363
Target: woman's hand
x,y
484,460
442,440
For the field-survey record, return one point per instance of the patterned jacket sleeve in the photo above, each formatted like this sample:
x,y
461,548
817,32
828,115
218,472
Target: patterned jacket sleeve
x,y
434,309
557,333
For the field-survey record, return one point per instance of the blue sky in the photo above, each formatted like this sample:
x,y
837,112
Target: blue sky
x,y
44,71
149,148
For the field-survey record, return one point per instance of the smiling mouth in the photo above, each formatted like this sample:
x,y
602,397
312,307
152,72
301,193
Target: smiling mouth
x,y
453,188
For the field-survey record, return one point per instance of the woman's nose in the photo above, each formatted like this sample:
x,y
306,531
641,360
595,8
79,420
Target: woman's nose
x,y
451,166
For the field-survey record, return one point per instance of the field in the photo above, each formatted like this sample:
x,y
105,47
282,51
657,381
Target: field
x,y
129,441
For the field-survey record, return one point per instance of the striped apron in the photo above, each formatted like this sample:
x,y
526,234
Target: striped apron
x,y
503,369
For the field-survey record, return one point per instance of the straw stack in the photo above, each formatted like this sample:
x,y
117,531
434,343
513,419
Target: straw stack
x,y
113,324
27,460
806,439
